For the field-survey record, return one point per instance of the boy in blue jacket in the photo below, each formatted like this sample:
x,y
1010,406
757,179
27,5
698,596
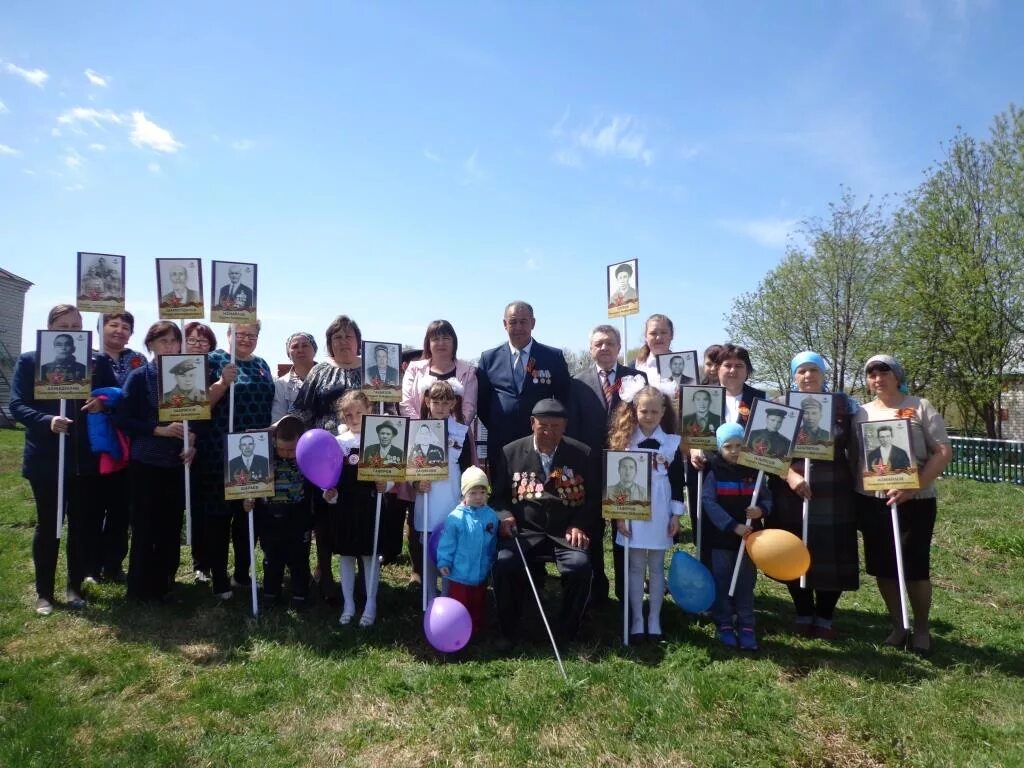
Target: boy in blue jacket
x,y
469,545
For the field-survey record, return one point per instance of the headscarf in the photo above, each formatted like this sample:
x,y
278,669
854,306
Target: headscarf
x,y
726,432
894,366
807,358
301,335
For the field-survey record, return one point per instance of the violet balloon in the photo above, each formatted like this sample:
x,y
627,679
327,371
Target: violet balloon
x,y
319,458
447,625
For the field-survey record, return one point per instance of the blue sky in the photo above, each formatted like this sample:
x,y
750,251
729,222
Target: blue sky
x,y
400,162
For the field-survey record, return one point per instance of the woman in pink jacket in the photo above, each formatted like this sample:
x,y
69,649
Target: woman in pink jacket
x,y
440,345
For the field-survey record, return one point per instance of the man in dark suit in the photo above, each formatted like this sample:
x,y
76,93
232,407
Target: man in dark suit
x,y
676,365
514,376
64,365
180,294
887,458
594,398
385,451
543,495
387,375
248,468
702,422
768,441
235,295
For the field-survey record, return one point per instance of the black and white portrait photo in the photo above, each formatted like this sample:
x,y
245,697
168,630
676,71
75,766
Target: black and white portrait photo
x,y
678,367
63,366
382,376
623,292
180,288
183,392
770,435
703,410
427,452
100,282
382,447
248,471
234,292
814,440
627,493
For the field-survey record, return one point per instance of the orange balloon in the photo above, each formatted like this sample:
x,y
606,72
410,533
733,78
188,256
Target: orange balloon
x,y
778,553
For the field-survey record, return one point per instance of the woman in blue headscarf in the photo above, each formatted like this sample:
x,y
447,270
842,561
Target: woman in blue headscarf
x,y
832,524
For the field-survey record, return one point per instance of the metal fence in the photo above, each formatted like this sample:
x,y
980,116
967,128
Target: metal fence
x,y
991,461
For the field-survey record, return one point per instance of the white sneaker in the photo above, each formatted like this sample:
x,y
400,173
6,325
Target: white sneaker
x,y
346,618
200,578
225,595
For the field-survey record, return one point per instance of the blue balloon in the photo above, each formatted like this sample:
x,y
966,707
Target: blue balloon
x,y
691,583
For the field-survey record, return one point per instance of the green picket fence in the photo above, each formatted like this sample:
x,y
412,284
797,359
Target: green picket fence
x,y
991,461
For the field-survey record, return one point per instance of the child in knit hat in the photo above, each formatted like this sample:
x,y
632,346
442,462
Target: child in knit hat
x,y
728,504
469,545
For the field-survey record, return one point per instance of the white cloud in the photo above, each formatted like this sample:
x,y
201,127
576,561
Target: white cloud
x,y
36,77
97,147
3,108
768,232
243,145
153,167
72,159
146,133
96,78
620,137
75,187
10,151
96,117
431,156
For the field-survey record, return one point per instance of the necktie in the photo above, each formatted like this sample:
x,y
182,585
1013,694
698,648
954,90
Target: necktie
x,y
517,370
606,387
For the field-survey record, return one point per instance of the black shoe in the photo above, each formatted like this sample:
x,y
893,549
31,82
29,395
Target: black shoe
x,y
638,639
503,644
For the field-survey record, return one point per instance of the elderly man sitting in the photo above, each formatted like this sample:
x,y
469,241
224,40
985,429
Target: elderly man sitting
x,y
542,494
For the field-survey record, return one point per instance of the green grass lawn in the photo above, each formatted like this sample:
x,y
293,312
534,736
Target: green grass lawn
x,y
201,684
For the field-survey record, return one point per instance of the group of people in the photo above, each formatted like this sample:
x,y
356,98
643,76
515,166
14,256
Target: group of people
x,y
538,502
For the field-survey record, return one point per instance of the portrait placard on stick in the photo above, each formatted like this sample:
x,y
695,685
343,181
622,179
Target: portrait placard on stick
x,y
703,410
678,367
233,292
427,451
100,282
627,494
888,455
768,439
248,471
815,439
63,365
623,288
382,380
180,289
182,388
381,453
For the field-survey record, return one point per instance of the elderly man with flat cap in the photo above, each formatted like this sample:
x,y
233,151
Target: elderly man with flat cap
x,y
385,450
543,494
768,441
185,389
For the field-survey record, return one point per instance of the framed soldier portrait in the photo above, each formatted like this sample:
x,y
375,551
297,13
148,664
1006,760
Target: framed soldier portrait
x,y
63,365
182,392
769,437
888,455
815,439
233,293
703,412
627,488
678,367
382,448
100,282
623,290
427,450
382,379
248,470
180,289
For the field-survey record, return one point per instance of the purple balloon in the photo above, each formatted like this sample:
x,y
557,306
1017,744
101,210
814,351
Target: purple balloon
x,y
319,458
433,542
447,624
